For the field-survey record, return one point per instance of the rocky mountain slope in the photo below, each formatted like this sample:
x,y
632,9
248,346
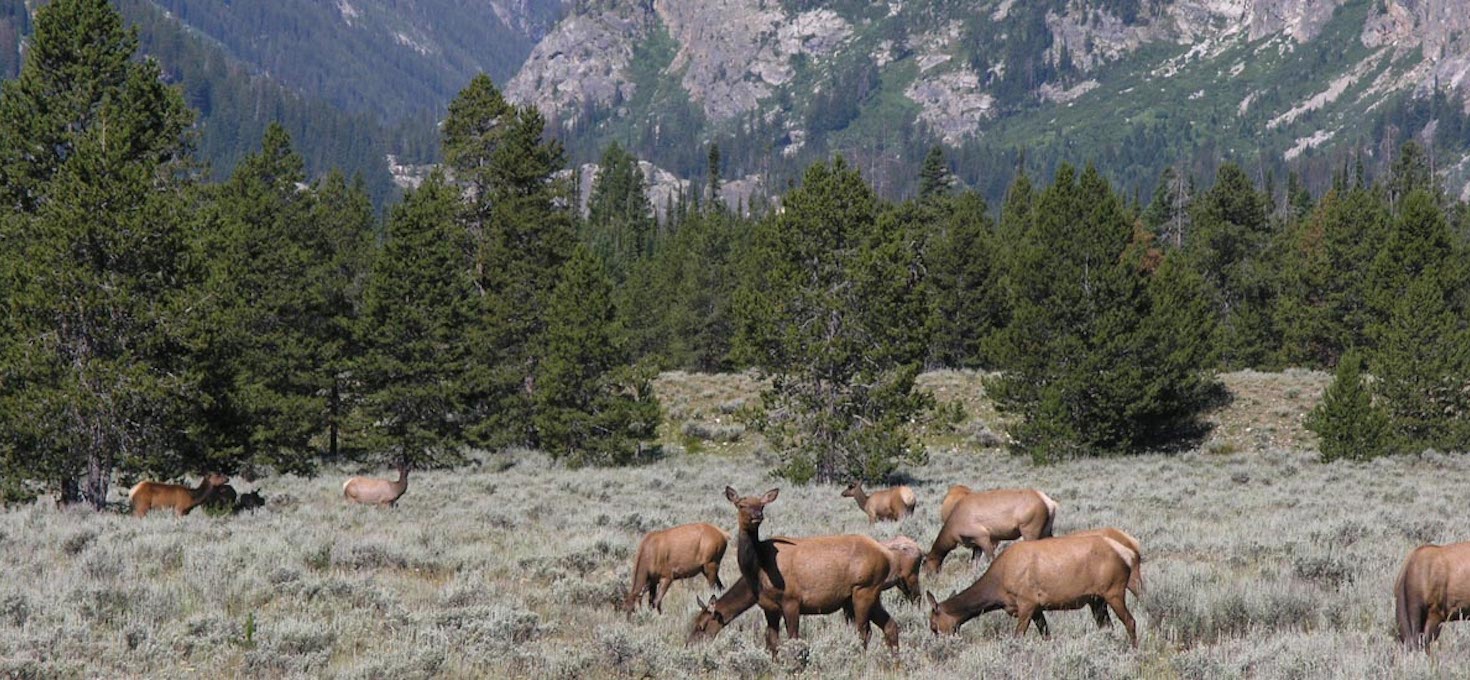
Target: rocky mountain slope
x,y
1135,84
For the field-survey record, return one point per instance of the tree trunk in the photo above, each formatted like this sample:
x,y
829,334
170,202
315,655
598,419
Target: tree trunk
x,y
71,492
335,406
98,472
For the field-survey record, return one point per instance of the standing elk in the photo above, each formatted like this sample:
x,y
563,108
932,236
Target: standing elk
x,y
1030,578
677,553
369,491
147,496
888,505
903,571
1432,588
982,519
814,575
953,496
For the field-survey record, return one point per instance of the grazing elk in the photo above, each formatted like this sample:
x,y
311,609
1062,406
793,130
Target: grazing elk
x,y
1432,588
369,491
249,501
814,575
1032,577
903,571
1135,576
889,505
147,496
677,553
982,519
953,496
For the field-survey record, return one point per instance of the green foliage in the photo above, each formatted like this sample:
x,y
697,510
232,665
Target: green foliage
x,y
963,277
417,304
934,176
824,281
592,406
620,226
1100,356
89,172
1348,422
1422,361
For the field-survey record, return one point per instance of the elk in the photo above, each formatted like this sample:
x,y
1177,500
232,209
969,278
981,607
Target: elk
x,y
814,575
889,505
223,498
903,571
677,553
1030,578
1433,587
147,496
1135,567
369,491
249,501
982,519
956,492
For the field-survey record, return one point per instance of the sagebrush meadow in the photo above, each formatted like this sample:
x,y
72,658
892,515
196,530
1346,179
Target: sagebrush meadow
x,y
1259,562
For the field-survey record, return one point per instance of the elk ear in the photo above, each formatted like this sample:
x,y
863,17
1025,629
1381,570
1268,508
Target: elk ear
x,y
770,495
731,496
704,606
933,603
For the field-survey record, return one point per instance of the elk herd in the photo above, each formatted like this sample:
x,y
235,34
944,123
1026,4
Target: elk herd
x,y
791,577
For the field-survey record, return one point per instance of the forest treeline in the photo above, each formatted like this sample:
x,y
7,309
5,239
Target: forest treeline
x,y
159,324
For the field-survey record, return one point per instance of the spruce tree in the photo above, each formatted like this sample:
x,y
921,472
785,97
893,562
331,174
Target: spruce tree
x,y
418,301
1422,362
91,161
967,305
620,227
822,285
1348,422
934,177
592,406
1229,247
1101,355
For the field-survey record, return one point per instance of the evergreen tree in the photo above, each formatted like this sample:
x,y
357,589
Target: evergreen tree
x,y
620,227
1100,356
592,407
712,170
1347,421
967,305
417,304
91,157
1230,248
1422,362
934,177
823,283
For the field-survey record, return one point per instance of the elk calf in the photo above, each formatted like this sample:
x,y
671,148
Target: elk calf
x,y
672,554
147,496
888,505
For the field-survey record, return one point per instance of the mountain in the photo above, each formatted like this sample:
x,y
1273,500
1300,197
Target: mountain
x,y
1134,85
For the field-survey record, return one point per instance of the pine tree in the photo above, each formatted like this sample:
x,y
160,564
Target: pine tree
x,y
90,161
592,406
965,294
1230,248
620,227
1100,356
822,284
712,170
418,301
1422,361
1348,423
934,177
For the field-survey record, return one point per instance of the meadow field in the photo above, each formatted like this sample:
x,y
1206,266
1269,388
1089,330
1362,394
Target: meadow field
x,y
1260,562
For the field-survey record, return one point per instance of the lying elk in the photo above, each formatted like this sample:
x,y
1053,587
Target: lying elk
x,y
903,571
147,496
1433,587
982,519
889,505
814,575
1030,578
672,554
369,491
249,501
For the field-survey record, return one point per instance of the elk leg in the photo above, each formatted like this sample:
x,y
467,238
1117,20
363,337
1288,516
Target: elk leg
x,y
943,544
1100,613
663,589
881,618
1120,607
1023,619
773,631
712,574
1431,627
791,609
862,606
1040,619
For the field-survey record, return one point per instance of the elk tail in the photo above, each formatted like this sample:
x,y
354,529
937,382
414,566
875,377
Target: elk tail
x,y
1409,616
1051,514
906,495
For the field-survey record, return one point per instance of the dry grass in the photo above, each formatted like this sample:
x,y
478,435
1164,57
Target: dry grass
x,y
1259,564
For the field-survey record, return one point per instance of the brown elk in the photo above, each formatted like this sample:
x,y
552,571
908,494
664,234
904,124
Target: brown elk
x,y
982,519
1030,578
1432,588
815,575
223,498
888,505
956,492
369,491
147,496
677,553
903,571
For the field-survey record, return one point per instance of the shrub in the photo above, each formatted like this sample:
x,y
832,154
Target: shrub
x,y
1348,422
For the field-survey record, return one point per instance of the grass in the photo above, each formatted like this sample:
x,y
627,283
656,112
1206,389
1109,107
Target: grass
x,y
1259,563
